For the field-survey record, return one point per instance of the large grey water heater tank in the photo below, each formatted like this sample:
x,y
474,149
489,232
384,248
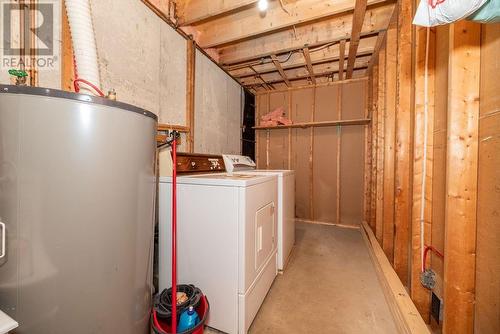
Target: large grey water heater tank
x,y
76,205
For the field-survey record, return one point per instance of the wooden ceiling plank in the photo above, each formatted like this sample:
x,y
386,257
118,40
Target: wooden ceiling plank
x,y
307,57
250,23
357,24
315,34
280,69
341,59
194,12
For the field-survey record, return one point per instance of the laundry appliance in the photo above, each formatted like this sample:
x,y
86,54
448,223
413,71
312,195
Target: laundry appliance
x,y
226,238
237,165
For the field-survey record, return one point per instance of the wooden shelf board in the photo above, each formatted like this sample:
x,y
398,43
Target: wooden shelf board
x,y
362,121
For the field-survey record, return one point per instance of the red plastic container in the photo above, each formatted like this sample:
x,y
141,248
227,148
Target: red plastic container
x,y
202,311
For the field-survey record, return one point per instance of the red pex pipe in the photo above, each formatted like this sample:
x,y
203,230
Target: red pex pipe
x,y
174,236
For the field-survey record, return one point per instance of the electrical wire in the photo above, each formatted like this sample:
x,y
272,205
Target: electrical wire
x,y
94,87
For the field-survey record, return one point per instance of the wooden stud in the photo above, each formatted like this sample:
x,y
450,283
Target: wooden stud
x,y
374,130
190,93
257,135
367,154
420,295
404,135
389,139
33,72
311,158
379,221
462,173
339,155
268,142
280,69
290,117
341,59
67,65
357,24
307,57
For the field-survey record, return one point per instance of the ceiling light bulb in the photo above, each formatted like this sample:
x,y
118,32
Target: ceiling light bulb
x,y
262,5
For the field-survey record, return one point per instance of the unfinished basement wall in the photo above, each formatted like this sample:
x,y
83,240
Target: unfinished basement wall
x,y
328,161
145,61
462,197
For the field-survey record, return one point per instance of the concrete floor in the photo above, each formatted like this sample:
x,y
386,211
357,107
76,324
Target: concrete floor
x,y
329,286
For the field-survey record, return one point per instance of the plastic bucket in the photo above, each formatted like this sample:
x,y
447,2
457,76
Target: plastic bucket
x,y
202,311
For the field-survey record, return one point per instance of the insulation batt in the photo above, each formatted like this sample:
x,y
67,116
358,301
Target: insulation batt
x,y
438,12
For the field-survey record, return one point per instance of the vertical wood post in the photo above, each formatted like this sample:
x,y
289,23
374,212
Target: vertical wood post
x,y
311,158
190,82
462,174
379,230
404,122
374,125
67,68
419,294
389,138
339,148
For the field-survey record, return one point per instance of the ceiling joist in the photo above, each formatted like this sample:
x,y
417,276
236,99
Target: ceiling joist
x,y
315,34
280,70
195,12
307,57
341,59
251,23
357,24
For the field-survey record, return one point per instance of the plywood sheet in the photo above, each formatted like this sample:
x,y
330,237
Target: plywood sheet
x,y
352,175
487,312
301,141
262,103
354,99
326,103
325,174
302,103
278,149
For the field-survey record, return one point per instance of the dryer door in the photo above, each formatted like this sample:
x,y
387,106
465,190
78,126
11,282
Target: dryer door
x,y
264,235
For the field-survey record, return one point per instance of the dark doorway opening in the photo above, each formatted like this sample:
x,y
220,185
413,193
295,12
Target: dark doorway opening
x,y
248,132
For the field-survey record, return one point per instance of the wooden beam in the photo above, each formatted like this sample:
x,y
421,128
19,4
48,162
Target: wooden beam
x,y
420,295
280,70
390,140
307,57
357,24
320,84
407,319
194,12
296,61
190,93
404,135
341,59
322,70
305,125
315,34
380,40
379,220
249,23
462,173
171,127
375,148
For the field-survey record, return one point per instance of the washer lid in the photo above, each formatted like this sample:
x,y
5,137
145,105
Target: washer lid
x,y
222,179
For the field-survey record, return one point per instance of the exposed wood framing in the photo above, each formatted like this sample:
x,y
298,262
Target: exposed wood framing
x,y
357,24
462,173
380,40
389,139
374,129
311,156
67,68
332,83
315,34
407,319
247,24
341,59
339,155
329,54
379,221
280,70
304,125
190,84
420,295
404,136
193,12
307,57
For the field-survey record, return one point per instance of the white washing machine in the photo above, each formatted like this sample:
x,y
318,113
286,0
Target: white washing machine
x,y
237,164
226,242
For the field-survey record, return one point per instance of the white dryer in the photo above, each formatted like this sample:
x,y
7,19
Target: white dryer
x,y
226,242
238,164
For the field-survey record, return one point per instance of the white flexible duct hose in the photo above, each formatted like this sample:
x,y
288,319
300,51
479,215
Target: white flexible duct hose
x,y
83,38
